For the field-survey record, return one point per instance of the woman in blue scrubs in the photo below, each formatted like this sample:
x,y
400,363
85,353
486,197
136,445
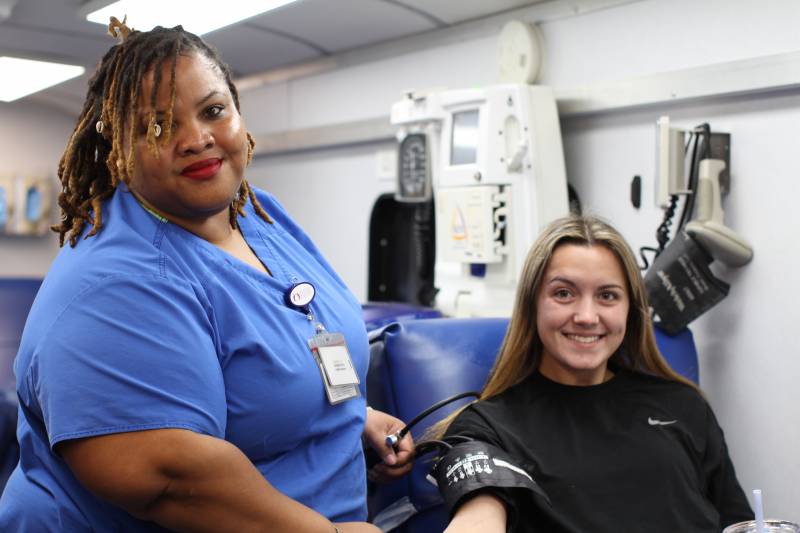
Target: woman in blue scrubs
x,y
191,361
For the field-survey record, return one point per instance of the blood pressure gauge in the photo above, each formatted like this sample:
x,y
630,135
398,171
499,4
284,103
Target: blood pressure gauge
x,y
414,171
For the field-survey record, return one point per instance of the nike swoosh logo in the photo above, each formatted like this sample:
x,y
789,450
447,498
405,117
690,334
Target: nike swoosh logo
x,y
654,422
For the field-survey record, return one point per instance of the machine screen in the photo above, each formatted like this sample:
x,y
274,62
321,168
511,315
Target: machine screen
x,y
464,142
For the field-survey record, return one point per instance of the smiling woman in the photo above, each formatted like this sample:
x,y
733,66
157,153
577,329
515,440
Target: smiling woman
x,y
193,171
582,308
163,369
127,123
582,402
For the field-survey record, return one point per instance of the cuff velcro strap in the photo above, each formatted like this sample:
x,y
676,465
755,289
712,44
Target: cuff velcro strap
x,y
476,466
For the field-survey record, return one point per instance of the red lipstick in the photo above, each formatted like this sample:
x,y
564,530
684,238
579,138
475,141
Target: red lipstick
x,y
202,170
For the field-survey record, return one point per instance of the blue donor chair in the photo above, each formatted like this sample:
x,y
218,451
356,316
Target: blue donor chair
x,y
16,298
417,363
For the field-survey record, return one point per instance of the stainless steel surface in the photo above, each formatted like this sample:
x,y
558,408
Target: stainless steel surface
x,y
770,526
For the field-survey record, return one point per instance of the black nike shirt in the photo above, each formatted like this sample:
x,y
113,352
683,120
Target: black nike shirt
x,y
636,453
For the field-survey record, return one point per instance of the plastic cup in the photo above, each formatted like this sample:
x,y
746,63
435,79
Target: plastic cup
x,y
770,526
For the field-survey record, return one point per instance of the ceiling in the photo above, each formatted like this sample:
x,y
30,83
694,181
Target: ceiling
x,y
304,31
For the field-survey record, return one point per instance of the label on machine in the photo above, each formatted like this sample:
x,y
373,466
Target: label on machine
x,y
471,223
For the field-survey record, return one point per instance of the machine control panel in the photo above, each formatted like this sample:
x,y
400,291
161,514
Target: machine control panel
x,y
471,224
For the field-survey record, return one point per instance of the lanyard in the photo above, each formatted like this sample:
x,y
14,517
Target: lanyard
x,y
330,351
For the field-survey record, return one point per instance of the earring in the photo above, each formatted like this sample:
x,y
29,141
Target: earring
x,y
157,130
99,126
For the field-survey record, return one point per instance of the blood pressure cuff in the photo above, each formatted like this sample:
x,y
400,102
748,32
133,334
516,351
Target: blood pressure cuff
x,y
473,467
681,286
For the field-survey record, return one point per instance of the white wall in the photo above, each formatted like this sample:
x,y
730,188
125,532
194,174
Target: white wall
x,y
330,194
32,138
749,360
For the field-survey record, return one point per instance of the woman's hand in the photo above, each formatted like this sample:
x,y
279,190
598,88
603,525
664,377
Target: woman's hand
x,y
395,463
482,514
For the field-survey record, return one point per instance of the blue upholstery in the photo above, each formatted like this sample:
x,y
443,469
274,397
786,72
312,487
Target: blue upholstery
x,y
378,314
416,363
16,298
9,448
680,352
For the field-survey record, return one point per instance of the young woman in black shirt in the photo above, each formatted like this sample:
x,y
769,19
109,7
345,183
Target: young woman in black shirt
x,y
583,402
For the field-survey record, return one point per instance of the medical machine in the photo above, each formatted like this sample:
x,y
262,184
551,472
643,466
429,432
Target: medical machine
x,y
491,159
708,181
670,175
708,227
680,283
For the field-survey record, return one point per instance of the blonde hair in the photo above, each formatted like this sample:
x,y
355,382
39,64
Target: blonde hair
x,y
521,351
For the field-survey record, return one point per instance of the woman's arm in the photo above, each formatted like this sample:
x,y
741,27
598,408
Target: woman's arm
x,y
187,481
724,490
482,514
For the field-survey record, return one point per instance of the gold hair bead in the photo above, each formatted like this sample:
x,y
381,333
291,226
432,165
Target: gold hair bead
x,y
119,29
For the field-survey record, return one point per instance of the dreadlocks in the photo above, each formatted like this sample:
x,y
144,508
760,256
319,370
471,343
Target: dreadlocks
x,y
94,161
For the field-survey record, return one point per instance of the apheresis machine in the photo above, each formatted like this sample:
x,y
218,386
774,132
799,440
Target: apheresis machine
x,y
491,159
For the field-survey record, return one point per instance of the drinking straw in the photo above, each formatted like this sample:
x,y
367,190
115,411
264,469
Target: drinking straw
x,y
759,509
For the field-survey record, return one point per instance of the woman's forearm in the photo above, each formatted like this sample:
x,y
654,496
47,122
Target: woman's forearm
x,y
482,514
221,489
186,482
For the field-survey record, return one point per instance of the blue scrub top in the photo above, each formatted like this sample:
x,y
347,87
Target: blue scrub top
x,y
147,326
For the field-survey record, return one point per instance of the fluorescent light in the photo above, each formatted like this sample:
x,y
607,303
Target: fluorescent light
x,y
22,77
144,15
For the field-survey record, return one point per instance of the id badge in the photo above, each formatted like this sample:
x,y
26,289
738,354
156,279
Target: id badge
x,y
335,365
